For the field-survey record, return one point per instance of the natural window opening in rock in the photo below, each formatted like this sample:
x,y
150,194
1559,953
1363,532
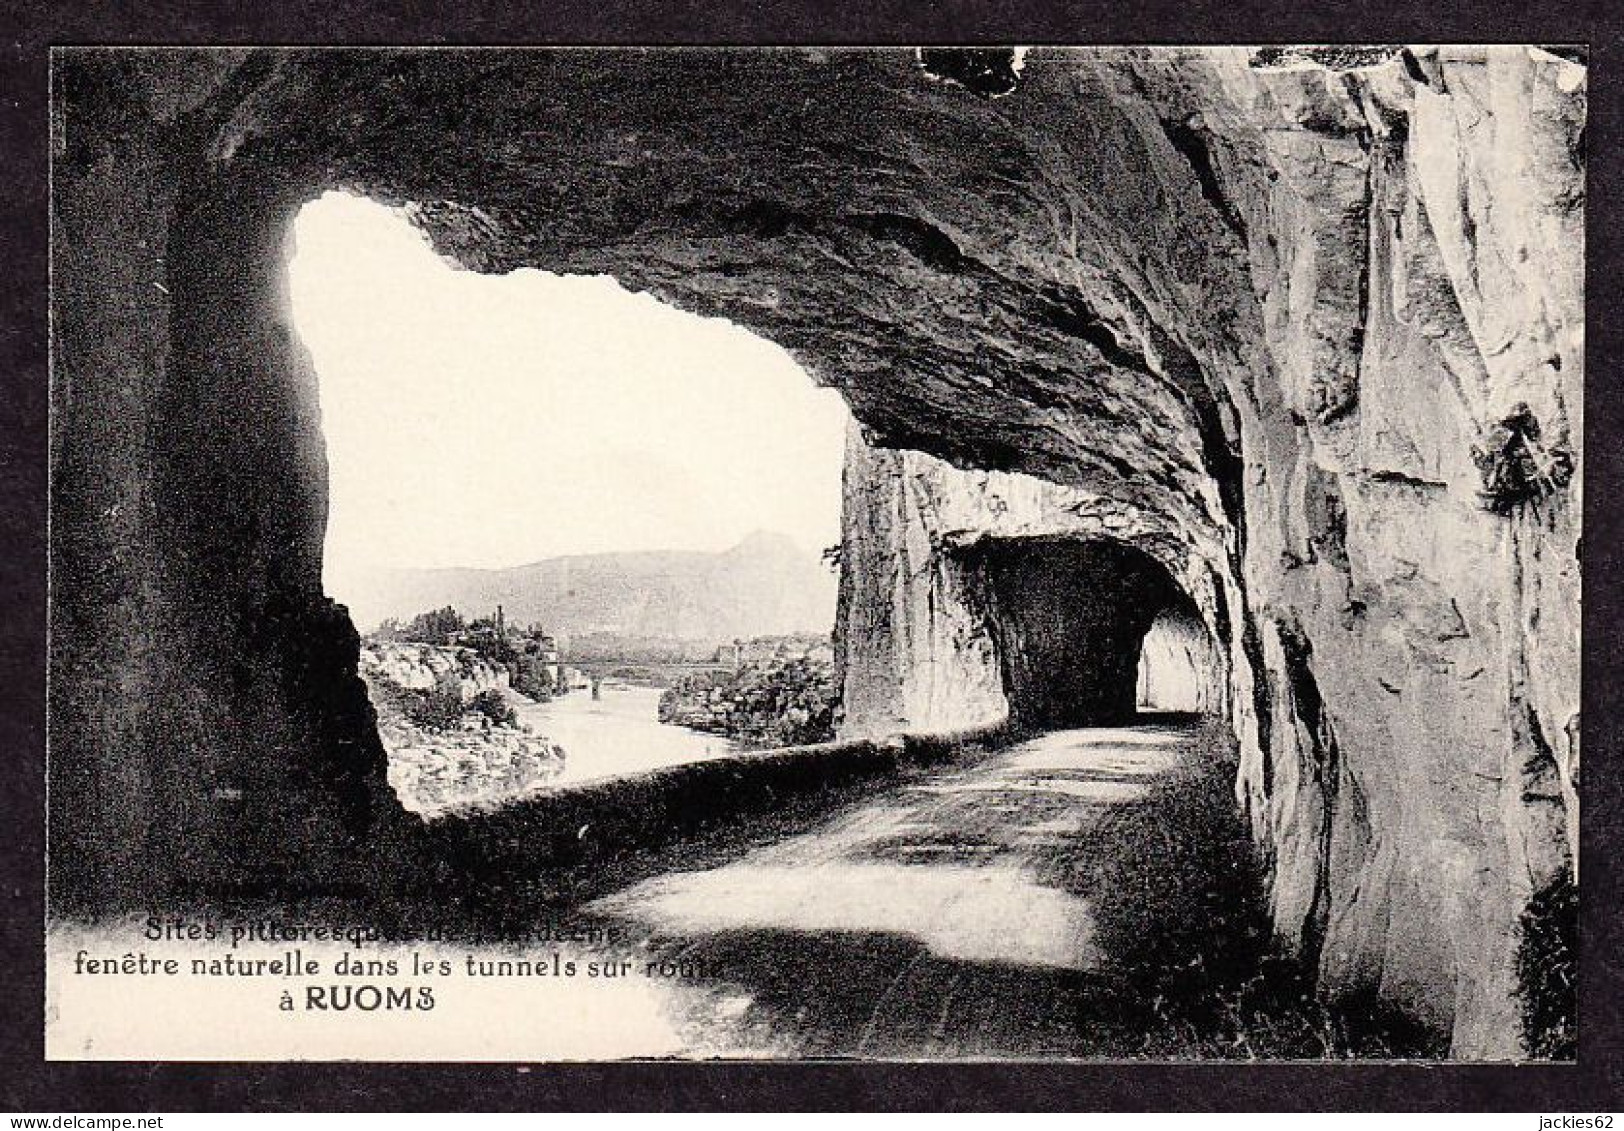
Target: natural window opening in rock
x,y
1069,619
576,527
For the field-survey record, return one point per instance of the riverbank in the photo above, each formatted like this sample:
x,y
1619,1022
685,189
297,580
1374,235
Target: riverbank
x,y
788,701
616,734
445,717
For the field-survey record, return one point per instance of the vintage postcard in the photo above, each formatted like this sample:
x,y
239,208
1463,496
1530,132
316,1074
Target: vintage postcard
x,y
984,553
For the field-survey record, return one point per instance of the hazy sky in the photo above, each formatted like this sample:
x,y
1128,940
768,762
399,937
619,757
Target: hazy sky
x,y
490,421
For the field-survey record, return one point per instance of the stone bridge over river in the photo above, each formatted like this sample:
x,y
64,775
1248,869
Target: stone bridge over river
x,y
1254,343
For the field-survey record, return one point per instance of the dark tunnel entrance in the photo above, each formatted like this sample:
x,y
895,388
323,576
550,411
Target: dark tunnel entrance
x,y
1069,618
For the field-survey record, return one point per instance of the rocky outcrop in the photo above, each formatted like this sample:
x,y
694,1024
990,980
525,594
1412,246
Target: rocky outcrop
x,y
454,743
772,703
1302,328
428,667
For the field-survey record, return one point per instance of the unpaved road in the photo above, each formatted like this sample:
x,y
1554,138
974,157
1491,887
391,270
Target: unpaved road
x,y
936,919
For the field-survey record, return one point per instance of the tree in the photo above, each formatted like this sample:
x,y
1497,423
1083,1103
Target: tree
x,y
484,637
438,626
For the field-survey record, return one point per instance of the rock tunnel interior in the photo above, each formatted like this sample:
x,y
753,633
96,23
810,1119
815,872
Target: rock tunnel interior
x,y
831,272
1089,631
1110,280
1072,618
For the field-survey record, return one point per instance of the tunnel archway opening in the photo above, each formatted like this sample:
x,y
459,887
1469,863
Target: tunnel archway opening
x,y
1070,619
1179,665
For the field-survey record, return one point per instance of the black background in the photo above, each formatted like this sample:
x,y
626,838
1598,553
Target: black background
x,y
28,1084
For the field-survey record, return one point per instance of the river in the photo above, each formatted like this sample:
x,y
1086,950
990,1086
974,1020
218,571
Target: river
x,y
617,734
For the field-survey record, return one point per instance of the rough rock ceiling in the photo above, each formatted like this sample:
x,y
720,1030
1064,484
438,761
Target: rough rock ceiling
x,y
970,271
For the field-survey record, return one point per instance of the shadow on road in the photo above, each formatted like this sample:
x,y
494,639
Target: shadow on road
x,y
1179,895
1182,963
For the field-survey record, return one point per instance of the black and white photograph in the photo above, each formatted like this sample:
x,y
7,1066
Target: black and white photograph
x,y
896,554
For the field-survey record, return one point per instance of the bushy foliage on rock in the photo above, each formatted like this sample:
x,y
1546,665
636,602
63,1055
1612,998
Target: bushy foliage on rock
x,y
779,703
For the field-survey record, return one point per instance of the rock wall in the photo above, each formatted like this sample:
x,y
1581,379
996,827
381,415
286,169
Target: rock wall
x,y
932,618
425,667
1404,670
1424,750
209,733
446,754
1303,327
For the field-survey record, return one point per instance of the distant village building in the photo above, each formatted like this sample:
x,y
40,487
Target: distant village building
x,y
545,650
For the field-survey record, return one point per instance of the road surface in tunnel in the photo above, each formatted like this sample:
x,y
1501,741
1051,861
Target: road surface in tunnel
x,y
951,916
1084,894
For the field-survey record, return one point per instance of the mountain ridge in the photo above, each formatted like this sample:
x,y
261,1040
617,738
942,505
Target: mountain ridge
x,y
764,585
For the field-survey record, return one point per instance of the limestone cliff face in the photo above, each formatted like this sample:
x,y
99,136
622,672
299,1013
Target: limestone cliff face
x,y
445,754
1404,676
427,667
918,646
1303,331
1422,640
